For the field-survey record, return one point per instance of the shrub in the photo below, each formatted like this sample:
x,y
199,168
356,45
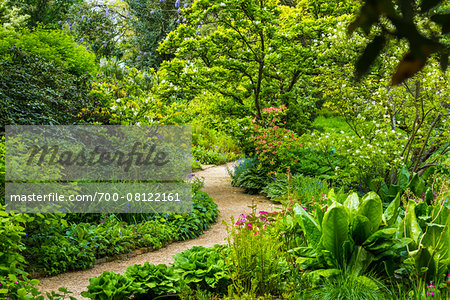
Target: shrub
x,y
203,268
128,100
53,45
151,281
301,188
274,144
249,175
213,155
111,286
35,91
2,169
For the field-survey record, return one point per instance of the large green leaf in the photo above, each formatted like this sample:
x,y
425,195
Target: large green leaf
x,y
391,211
371,207
380,235
335,231
360,260
417,185
361,229
352,202
309,225
424,262
412,227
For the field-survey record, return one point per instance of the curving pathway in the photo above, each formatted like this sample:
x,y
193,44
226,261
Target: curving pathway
x,y
231,201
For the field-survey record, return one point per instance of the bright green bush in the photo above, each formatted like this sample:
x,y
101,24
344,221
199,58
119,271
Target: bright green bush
x,y
203,268
197,268
305,190
52,45
111,286
213,155
151,281
124,96
2,169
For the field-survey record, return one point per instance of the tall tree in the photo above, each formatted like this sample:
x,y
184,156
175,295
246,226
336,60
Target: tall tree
x,y
47,12
256,52
152,20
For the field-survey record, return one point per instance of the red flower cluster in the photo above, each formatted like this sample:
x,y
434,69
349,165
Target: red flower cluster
x,y
274,144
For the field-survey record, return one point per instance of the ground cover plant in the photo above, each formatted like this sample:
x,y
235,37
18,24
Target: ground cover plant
x,y
76,245
347,133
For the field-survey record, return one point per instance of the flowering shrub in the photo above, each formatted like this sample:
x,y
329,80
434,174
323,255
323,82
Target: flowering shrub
x,y
365,159
274,144
128,101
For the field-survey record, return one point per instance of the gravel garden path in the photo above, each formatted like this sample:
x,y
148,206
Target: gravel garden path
x,y
231,201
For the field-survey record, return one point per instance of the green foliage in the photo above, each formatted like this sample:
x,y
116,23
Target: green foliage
x,y
301,189
197,267
124,96
110,285
412,116
2,169
101,26
10,17
152,21
427,224
213,155
204,268
352,237
12,262
346,286
248,55
212,147
59,248
358,161
38,92
53,45
256,260
205,137
47,12
320,163
249,175
151,281
327,121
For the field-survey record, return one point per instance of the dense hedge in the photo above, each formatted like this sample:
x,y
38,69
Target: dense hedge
x,y
36,91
